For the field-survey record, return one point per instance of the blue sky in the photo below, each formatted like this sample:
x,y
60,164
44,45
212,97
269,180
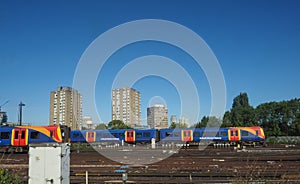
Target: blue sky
x,y
41,42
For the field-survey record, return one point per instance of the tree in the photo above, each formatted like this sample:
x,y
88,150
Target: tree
x,y
279,118
276,118
181,125
101,126
241,113
173,125
117,124
241,101
226,119
209,121
213,121
177,125
203,122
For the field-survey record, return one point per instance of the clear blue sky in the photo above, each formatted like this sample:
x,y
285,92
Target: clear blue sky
x,y
41,42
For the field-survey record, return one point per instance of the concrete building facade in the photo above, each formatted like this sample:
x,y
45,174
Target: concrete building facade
x,y
184,121
66,107
157,116
87,123
126,106
173,118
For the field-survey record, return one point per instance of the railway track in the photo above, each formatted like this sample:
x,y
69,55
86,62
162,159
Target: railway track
x,y
279,165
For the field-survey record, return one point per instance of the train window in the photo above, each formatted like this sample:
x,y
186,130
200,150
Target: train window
x,y
231,133
23,135
75,135
168,134
147,134
62,133
139,134
17,135
4,135
91,134
197,134
35,135
51,133
106,135
223,133
114,134
177,134
244,133
130,134
256,132
210,134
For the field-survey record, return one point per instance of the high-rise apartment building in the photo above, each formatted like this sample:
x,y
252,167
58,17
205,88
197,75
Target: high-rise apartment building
x,y
66,107
126,106
157,116
184,121
173,119
87,123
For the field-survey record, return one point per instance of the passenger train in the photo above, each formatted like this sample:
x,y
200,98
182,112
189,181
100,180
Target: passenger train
x,y
19,137
184,135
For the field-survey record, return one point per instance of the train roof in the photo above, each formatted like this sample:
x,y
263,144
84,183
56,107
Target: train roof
x,y
2,128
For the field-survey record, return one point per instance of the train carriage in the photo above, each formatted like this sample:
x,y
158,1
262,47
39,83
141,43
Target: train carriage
x,y
176,135
146,135
5,136
19,137
117,135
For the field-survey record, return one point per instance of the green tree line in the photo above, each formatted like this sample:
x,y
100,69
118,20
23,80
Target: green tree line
x,y
276,118
114,124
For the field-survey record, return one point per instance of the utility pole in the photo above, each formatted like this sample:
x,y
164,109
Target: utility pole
x,y
20,112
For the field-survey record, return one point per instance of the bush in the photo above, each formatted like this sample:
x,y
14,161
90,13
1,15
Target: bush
x,y
8,178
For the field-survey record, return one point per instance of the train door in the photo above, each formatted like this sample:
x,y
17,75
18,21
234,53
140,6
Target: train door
x,y
234,134
90,136
20,137
129,136
187,135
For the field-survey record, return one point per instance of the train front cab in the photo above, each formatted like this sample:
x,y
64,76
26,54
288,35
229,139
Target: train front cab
x,y
252,135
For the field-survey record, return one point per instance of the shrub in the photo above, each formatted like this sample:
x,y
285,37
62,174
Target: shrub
x,y
7,177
